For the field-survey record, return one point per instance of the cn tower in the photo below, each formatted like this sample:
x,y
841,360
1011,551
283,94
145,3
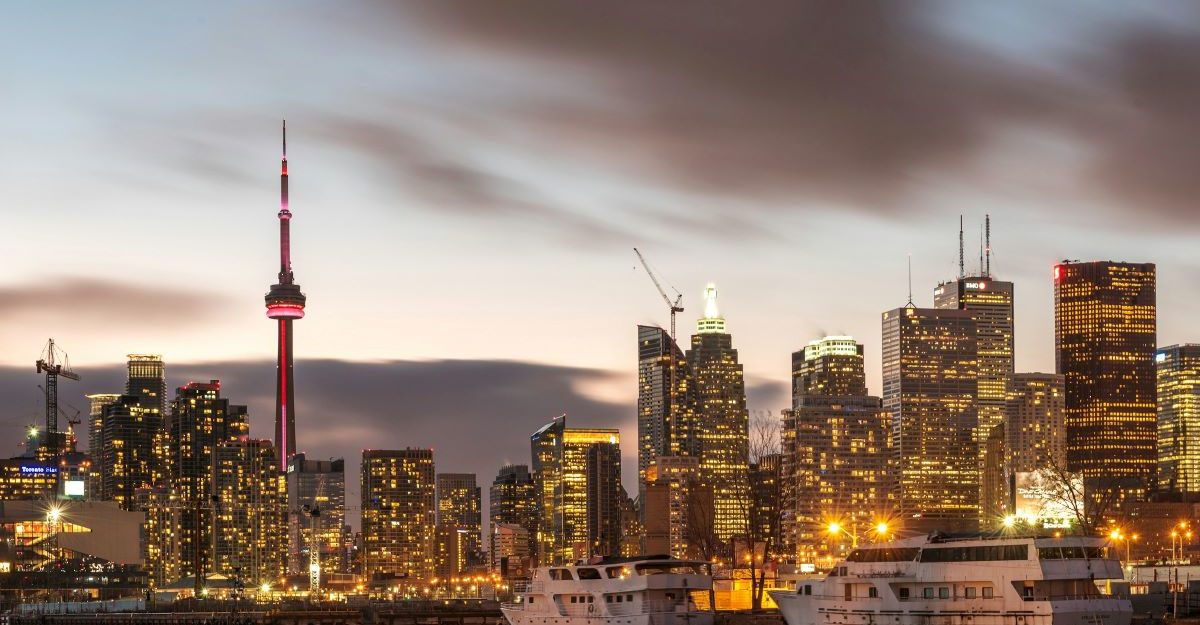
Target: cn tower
x,y
285,303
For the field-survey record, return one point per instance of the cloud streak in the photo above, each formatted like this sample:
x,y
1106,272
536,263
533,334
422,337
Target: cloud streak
x,y
105,301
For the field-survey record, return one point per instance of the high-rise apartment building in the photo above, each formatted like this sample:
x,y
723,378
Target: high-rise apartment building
x,y
200,421
510,549
459,503
993,482
837,451
248,533
398,512
929,385
722,423
1104,337
1036,428
766,486
1178,381
319,485
123,432
677,509
560,468
829,367
127,449
96,404
604,497
667,401
990,303
513,500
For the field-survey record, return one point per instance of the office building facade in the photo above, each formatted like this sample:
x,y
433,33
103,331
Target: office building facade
x,y
1178,395
722,421
1105,325
929,385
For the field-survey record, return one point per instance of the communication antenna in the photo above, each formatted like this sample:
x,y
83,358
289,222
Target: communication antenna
x,y
987,244
962,272
910,300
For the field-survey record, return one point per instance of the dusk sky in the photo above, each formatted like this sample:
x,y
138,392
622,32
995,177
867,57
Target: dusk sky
x,y
469,179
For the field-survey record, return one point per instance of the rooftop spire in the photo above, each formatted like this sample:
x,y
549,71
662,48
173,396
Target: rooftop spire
x,y
712,322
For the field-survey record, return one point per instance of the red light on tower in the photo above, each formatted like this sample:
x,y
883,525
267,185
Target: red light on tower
x,y
1058,273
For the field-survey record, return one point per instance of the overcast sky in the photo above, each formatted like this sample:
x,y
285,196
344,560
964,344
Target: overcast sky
x,y
468,180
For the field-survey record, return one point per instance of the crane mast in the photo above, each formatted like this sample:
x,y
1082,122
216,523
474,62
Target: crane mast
x,y
55,364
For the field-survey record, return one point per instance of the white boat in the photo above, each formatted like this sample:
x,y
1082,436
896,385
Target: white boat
x,y
940,580
646,590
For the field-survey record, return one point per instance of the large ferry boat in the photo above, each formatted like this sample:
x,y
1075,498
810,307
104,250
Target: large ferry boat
x,y
646,590
943,580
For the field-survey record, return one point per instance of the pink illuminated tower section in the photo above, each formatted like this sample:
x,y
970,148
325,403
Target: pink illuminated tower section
x,y
285,304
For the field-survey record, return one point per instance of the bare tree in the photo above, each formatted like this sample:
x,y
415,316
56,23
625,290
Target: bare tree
x,y
1087,501
763,518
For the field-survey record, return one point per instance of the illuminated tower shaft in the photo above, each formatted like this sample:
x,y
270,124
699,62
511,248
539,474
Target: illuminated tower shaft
x,y
285,303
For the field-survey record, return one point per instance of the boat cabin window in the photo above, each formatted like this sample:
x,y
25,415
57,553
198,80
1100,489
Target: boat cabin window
x,y
970,592
1072,553
927,593
588,573
982,553
530,599
944,592
987,592
903,593
872,592
560,574
615,572
808,589
660,568
890,554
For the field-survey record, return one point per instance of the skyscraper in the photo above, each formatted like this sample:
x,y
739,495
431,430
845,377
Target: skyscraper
x,y
837,451
1104,338
929,380
513,500
319,483
285,303
248,536
398,512
990,303
127,449
96,404
604,498
666,400
459,504
199,422
1178,382
560,468
1036,429
147,382
722,423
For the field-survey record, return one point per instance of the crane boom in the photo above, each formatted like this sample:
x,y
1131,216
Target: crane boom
x,y
675,305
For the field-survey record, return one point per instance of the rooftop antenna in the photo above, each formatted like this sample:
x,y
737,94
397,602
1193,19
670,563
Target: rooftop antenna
x,y
981,251
910,301
987,244
962,272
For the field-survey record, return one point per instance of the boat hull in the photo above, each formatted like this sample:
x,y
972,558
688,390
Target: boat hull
x,y
524,617
802,610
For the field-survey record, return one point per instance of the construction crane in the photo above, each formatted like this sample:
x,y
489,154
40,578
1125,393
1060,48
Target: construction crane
x,y
55,363
314,545
675,305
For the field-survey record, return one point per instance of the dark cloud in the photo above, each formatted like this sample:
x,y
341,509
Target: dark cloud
x,y
104,301
850,103
444,178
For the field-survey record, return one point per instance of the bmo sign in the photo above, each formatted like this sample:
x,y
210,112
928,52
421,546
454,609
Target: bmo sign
x,y
977,286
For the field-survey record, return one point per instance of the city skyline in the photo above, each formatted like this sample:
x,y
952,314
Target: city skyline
x,y
199,174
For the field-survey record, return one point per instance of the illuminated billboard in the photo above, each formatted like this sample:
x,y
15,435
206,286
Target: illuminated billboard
x,y
1041,500
74,489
